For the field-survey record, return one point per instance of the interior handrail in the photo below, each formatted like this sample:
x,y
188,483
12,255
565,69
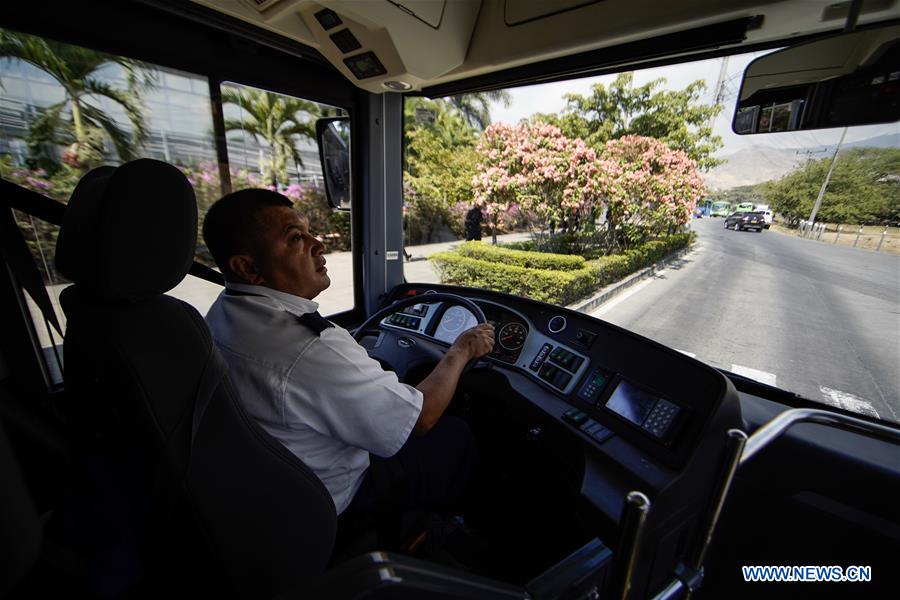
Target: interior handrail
x,y
771,431
682,586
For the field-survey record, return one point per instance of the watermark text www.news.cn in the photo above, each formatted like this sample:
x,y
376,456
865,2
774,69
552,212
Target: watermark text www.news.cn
x,y
803,573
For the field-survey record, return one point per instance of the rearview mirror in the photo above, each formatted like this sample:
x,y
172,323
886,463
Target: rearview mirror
x,y
333,135
848,79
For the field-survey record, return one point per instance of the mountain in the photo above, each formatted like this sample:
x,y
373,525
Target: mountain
x,y
760,163
752,165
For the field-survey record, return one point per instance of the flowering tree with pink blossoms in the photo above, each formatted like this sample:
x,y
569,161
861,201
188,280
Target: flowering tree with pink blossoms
x,y
647,188
656,188
535,168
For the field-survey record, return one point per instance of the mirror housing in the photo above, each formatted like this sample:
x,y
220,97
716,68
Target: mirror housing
x,y
844,80
333,136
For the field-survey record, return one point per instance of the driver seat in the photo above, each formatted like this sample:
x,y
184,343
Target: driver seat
x,y
184,485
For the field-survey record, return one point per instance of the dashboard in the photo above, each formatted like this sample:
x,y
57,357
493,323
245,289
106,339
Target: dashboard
x,y
612,384
642,416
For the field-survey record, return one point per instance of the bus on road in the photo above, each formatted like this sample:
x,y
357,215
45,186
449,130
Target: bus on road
x,y
720,209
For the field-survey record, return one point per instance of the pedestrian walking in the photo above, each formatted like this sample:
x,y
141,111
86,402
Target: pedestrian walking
x,y
472,224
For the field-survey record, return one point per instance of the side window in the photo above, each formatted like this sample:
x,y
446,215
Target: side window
x,y
272,144
65,110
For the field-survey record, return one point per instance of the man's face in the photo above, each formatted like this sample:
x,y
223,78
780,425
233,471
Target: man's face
x,y
288,258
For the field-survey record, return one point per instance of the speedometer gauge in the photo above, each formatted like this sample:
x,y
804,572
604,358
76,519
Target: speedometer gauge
x,y
454,319
512,336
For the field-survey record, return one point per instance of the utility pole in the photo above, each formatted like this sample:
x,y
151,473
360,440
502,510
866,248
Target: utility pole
x,y
719,90
815,210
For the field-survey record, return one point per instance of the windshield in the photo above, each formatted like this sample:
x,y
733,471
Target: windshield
x,y
639,176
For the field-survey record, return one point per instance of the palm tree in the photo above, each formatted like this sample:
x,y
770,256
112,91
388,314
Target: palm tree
x,y
476,107
77,121
276,119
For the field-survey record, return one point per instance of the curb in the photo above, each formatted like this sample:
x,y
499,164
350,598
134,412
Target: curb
x,y
614,289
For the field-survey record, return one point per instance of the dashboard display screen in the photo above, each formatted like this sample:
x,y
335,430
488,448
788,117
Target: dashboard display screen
x,y
631,402
454,321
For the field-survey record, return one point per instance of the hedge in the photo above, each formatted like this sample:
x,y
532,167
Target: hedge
x,y
519,258
616,266
556,287
553,285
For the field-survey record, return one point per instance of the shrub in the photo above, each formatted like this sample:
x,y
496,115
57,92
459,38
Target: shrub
x,y
555,287
500,269
521,258
523,245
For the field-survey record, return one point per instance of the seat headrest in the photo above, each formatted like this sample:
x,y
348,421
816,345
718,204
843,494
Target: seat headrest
x,y
129,232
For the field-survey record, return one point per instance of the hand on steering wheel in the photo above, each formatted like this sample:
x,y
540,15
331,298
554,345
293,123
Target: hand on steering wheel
x,y
402,350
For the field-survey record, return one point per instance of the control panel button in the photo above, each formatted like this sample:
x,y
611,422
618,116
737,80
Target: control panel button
x,y
405,321
660,418
575,416
595,430
585,337
541,356
566,359
593,386
561,379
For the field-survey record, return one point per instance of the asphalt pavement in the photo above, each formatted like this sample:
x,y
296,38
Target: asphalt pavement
x,y
816,319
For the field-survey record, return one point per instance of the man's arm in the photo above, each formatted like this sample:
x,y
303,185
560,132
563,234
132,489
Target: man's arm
x,y
440,385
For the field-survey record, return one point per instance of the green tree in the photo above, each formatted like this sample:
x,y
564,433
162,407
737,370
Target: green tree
x,y
676,117
275,120
439,161
77,121
475,108
864,188
440,164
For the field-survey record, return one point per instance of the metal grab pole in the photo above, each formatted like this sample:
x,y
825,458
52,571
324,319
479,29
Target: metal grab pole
x,y
689,577
734,447
634,515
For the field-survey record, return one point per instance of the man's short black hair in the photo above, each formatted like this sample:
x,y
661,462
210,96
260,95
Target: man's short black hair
x,y
233,223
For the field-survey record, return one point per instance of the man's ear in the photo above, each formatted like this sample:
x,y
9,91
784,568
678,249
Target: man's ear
x,y
244,268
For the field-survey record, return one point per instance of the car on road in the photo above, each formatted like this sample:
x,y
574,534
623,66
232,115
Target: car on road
x,y
746,220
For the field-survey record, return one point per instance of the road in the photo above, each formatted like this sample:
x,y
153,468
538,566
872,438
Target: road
x,y
819,320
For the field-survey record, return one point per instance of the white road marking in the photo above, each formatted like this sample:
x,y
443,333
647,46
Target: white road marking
x,y
621,298
754,374
848,401
691,354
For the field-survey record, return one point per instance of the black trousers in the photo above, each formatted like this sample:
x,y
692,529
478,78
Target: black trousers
x,y
433,472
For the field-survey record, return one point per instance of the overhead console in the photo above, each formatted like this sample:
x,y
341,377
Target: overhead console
x,y
378,44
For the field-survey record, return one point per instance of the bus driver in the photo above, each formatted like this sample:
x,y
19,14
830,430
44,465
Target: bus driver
x,y
312,387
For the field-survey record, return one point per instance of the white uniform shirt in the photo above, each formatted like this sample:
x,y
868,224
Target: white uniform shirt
x,y
321,396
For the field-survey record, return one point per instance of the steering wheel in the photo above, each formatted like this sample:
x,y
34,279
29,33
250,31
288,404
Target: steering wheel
x,y
403,350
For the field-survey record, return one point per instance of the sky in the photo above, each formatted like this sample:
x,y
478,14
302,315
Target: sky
x,y
546,98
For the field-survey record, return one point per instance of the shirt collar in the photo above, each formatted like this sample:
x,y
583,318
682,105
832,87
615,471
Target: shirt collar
x,y
287,302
